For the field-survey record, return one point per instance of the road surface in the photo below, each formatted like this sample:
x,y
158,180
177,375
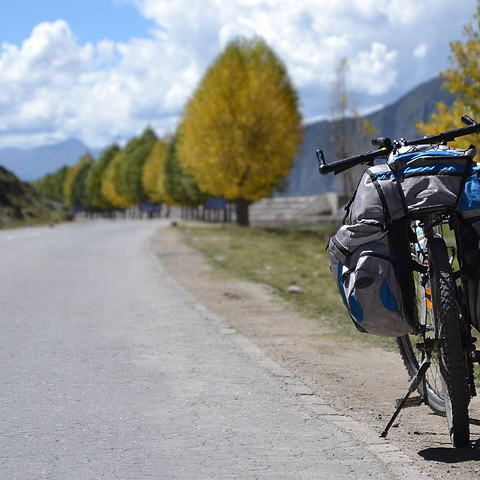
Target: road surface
x,y
112,371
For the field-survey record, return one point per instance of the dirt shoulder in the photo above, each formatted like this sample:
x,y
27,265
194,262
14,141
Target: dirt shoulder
x,y
358,380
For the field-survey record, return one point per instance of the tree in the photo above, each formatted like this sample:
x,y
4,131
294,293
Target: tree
x,y
349,132
152,174
241,129
179,185
72,196
136,153
95,178
462,80
80,198
51,185
111,179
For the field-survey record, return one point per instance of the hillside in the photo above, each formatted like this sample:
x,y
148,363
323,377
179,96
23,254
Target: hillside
x,y
21,204
396,120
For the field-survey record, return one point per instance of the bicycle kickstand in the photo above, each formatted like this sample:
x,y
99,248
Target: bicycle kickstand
x,y
411,388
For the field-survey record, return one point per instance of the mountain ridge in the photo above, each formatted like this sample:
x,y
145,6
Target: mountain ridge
x,y
396,120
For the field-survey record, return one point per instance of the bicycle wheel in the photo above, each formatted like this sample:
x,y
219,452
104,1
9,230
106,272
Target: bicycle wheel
x,y
411,346
452,354
445,388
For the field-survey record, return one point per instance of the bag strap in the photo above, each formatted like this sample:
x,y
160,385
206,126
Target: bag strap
x,y
468,172
383,200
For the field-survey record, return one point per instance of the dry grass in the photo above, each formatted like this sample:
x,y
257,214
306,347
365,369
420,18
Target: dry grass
x,y
280,258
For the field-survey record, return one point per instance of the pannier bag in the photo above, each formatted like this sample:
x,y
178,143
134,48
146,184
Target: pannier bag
x,y
416,180
431,177
365,267
362,267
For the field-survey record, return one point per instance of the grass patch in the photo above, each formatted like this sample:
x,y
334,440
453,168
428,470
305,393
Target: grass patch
x,y
54,219
280,258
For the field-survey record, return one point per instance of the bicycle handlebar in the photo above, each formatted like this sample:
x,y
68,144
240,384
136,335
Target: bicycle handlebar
x,y
386,146
346,163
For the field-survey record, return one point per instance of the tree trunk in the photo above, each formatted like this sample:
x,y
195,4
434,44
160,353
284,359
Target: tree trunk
x,y
242,212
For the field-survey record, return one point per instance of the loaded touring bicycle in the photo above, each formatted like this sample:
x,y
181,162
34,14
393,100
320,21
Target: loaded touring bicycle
x,y
406,260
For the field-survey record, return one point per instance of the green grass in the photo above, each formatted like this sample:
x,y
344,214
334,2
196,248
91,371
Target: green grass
x,y
53,219
280,258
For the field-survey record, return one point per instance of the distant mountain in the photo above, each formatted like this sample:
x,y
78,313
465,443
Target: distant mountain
x,y
29,164
395,121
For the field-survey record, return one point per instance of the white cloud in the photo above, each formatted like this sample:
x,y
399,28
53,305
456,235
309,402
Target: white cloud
x,y
374,70
420,51
53,87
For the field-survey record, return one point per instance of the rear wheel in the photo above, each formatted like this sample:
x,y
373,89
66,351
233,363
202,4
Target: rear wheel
x,y
453,355
446,385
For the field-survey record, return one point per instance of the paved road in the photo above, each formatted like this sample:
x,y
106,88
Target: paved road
x,y
110,371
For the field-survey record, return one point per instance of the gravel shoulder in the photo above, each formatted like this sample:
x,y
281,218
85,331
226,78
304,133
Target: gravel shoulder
x,y
357,380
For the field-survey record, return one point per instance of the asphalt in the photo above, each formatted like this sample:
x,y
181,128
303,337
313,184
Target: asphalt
x,y
109,370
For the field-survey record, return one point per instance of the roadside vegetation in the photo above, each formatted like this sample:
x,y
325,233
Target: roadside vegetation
x,y
281,258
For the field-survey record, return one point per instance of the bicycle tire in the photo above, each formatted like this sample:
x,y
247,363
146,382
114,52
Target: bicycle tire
x,y
411,351
452,354
446,387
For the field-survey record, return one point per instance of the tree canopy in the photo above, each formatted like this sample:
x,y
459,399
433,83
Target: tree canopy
x,y
74,188
136,153
51,185
462,80
95,178
179,185
152,174
242,127
111,181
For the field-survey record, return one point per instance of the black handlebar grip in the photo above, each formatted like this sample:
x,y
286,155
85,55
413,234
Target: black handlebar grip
x,y
326,169
468,120
341,165
346,163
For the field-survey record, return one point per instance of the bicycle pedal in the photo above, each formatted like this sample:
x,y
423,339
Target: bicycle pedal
x,y
411,402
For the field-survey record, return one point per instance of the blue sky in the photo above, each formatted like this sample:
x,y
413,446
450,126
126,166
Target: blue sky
x,y
90,20
103,70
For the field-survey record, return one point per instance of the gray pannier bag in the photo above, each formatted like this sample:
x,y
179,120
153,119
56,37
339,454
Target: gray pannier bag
x,y
431,176
362,267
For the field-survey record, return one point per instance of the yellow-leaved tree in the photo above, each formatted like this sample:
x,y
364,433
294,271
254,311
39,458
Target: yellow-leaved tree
x,y
242,127
111,179
152,173
463,80
69,190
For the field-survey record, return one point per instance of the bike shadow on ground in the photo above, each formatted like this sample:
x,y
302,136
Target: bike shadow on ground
x,y
453,455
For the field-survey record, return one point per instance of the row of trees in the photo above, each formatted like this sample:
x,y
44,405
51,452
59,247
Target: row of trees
x,y
236,139
146,170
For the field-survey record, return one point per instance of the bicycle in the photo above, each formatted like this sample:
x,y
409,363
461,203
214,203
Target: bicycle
x,y
439,278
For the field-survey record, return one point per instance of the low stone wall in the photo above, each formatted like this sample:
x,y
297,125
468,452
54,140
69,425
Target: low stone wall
x,y
294,210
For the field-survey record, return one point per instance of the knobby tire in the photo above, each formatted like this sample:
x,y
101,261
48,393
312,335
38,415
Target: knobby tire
x,y
452,354
446,388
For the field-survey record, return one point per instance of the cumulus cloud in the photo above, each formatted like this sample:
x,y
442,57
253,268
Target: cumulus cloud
x,y
374,69
420,51
53,87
